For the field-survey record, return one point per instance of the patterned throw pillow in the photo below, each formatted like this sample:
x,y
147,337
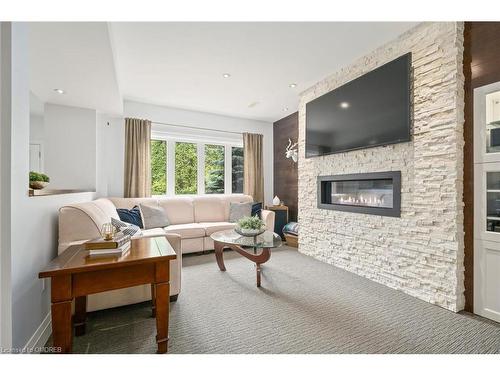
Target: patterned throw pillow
x,y
125,228
132,216
257,209
153,217
238,211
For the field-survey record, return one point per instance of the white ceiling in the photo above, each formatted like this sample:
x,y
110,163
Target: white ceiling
x,y
181,64
76,57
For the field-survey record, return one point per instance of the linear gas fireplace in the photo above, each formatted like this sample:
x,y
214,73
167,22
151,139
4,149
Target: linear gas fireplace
x,y
368,193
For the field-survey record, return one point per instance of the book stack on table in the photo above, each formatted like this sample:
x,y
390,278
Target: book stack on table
x,y
118,246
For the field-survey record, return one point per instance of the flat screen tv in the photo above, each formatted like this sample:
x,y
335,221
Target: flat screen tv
x,y
369,111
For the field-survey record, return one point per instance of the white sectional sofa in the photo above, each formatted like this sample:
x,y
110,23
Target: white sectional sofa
x,y
192,220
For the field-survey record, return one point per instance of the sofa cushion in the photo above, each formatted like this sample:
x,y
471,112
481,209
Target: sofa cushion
x,y
153,217
130,203
239,211
156,232
208,209
212,227
193,230
179,210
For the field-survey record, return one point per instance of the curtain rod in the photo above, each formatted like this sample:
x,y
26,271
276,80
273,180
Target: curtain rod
x,y
195,127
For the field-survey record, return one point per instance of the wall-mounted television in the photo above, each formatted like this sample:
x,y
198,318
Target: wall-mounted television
x,y
372,110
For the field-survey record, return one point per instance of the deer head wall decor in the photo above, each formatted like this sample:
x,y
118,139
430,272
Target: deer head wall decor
x,y
291,151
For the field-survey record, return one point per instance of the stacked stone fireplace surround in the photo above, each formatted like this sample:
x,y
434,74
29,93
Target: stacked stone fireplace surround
x,y
421,253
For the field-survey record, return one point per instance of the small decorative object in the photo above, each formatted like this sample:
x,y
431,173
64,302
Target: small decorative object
x,y
38,180
276,201
108,231
250,226
291,151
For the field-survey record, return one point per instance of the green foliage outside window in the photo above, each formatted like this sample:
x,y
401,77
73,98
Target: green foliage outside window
x,y
158,167
186,181
214,169
237,169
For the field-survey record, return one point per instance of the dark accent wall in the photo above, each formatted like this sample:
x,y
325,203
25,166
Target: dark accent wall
x,y
285,170
481,67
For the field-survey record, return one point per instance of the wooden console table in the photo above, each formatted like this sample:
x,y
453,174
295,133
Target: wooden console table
x,y
74,275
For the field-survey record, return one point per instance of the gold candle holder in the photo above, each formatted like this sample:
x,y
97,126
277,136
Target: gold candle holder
x,y
108,231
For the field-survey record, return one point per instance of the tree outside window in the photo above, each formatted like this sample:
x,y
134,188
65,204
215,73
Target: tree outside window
x,y
214,169
186,168
237,169
158,167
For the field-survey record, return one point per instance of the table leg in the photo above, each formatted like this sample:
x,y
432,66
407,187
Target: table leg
x,y
258,274
162,315
80,315
219,254
61,298
153,300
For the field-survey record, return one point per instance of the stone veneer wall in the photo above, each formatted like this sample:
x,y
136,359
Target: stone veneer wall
x,y
422,252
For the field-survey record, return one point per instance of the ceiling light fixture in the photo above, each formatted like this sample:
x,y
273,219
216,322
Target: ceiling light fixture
x,y
226,75
60,91
292,85
285,109
344,105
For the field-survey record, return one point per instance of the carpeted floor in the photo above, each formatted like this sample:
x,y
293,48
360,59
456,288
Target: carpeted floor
x,y
304,306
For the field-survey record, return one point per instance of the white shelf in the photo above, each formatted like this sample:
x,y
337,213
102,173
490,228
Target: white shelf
x,y
493,190
495,218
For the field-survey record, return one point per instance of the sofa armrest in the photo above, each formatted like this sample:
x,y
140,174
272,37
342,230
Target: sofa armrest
x,y
268,217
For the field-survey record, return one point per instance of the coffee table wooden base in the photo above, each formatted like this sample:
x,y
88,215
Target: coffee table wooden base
x,y
260,257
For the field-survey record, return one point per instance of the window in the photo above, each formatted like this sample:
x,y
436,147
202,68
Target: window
x,y
183,166
237,169
214,169
158,167
186,171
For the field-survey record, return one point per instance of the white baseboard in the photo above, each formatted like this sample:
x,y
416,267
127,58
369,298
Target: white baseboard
x,y
40,336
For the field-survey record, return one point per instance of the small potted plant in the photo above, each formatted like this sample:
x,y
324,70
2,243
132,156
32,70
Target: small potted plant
x,y
250,226
38,180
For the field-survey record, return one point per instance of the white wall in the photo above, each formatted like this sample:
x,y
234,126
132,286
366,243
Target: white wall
x,y
211,121
110,155
70,147
29,224
5,168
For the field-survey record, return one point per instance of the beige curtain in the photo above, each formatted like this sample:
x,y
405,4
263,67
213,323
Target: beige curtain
x,y
137,158
253,174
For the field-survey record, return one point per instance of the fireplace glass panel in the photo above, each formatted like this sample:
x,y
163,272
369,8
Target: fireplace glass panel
x,y
366,193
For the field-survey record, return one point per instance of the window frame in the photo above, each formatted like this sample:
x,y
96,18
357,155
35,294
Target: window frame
x,y
200,140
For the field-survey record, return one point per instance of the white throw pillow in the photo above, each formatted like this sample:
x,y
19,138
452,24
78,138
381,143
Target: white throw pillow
x,y
153,217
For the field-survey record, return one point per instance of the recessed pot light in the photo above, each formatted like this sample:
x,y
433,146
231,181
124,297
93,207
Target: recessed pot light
x,y
292,85
285,109
344,105
60,91
226,75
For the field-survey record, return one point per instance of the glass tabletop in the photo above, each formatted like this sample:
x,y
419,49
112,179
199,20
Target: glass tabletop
x,y
267,239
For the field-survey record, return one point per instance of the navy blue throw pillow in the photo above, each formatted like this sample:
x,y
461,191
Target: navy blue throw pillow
x,y
257,209
132,216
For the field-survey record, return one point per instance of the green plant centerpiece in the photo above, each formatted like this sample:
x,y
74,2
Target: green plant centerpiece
x,y
250,226
38,180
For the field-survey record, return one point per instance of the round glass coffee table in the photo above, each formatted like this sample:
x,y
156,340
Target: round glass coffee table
x,y
257,249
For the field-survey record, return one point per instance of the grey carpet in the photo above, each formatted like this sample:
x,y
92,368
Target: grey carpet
x,y
304,306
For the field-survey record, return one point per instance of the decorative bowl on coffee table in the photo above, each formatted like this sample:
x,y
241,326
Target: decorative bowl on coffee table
x,y
249,232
